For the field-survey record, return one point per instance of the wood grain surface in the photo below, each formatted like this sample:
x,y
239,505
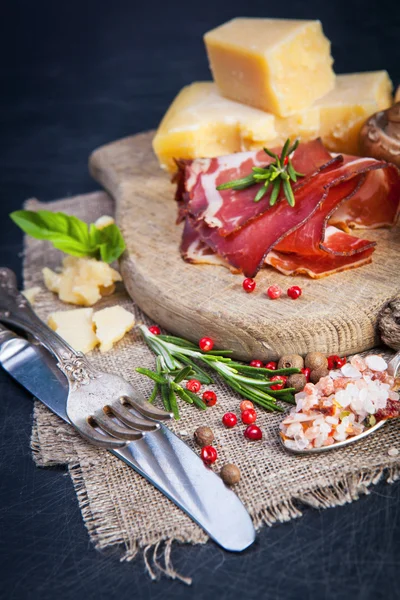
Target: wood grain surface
x,y
336,314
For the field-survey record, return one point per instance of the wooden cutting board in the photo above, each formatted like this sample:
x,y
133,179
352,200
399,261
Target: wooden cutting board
x,y
336,314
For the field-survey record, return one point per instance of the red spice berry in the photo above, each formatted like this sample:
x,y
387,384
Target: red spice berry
x,y
286,160
206,344
256,363
155,330
294,292
274,292
253,432
246,405
335,362
278,386
306,371
209,454
332,361
249,285
340,362
193,385
210,398
271,365
229,420
249,416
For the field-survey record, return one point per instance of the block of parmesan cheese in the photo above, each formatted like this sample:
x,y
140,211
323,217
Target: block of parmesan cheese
x,y
278,65
397,95
201,123
82,281
111,325
344,110
75,327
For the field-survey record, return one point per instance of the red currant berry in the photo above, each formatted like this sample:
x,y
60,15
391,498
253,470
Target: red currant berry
x,y
249,285
206,344
210,398
193,385
253,432
294,292
340,362
274,292
256,363
209,455
155,330
307,372
246,405
332,361
278,386
249,416
271,365
229,420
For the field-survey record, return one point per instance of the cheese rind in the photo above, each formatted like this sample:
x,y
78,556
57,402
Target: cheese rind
x,y
75,327
201,123
278,65
344,110
82,281
111,325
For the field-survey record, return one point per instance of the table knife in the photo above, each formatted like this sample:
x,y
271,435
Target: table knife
x,y
161,456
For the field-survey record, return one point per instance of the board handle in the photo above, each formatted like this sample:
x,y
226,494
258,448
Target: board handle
x,y
115,164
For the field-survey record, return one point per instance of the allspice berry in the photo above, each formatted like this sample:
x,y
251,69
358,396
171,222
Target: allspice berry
x,y
315,360
203,436
296,381
316,374
291,361
230,474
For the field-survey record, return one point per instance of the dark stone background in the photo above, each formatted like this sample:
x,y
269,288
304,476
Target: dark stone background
x,y
75,75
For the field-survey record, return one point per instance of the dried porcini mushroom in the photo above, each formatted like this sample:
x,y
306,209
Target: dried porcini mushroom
x,y
315,360
230,474
380,135
297,381
316,374
290,361
203,436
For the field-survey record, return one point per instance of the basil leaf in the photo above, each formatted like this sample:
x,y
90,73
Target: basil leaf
x,y
109,241
71,235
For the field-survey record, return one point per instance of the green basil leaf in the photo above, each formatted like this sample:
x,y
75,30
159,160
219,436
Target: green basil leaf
x,y
109,242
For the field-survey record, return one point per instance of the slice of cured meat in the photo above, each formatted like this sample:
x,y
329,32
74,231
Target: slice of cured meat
x,y
229,210
342,191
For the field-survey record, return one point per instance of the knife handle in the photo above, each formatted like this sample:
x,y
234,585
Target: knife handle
x,y
16,310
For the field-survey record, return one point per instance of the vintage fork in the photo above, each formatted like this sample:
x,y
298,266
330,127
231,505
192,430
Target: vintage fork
x,y
104,408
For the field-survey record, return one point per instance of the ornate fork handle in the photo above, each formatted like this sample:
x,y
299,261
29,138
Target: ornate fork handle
x,y
16,310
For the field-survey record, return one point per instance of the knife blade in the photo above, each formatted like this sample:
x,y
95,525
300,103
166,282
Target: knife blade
x,y
161,456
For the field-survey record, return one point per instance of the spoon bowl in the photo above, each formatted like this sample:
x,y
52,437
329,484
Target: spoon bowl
x,y
393,368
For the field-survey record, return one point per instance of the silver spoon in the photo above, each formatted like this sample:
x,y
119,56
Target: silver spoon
x,y
393,368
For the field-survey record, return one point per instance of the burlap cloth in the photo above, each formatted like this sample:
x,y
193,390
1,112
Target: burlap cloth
x,y
120,508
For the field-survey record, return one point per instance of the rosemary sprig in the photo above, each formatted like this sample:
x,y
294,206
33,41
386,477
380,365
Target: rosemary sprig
x,y
278,174
177,361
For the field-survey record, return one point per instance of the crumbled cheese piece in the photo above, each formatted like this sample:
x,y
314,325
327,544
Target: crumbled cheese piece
x,y
104,221
75,327
31,293
111,325
82,281
393,451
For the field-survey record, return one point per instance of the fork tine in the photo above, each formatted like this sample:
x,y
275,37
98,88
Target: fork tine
x,y
113,428
98,439
130,419
148,410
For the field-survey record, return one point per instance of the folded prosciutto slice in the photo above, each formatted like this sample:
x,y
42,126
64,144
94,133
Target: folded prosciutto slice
x,y
336,193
